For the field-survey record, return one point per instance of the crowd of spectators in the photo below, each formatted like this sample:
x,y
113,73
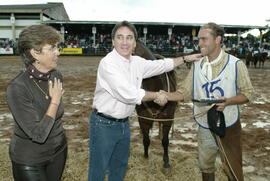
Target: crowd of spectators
x,y
162,44
156,43
246,45
7,43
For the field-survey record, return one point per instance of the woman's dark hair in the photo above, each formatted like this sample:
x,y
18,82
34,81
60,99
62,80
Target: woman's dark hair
x,y
125,24
35,37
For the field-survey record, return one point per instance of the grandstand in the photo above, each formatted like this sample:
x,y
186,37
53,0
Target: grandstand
x,y
13,18
93,37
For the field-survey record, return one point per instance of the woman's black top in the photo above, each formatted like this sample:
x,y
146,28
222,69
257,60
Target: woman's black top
x,y
37,137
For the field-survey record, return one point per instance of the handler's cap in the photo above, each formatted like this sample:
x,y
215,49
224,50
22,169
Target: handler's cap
x,y
216,121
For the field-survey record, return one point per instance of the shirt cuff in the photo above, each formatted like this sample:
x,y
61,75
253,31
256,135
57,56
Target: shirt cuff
x,y
170,64
141,94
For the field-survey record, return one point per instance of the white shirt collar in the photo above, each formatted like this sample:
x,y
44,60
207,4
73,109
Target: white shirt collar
x,y
120,56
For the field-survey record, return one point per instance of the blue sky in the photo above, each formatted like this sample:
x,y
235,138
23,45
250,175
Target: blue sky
x,y
232,12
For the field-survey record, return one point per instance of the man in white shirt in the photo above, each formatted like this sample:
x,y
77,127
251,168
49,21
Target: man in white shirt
x,y
118,90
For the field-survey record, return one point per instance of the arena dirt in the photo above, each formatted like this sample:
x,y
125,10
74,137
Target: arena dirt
x,y
79,83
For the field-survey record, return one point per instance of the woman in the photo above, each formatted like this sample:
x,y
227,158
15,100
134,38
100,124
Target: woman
x,y
38,147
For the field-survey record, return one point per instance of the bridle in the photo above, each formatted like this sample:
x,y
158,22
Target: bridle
x,y
151,112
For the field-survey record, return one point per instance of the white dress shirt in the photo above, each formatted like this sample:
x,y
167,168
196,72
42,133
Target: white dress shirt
x,y
118,87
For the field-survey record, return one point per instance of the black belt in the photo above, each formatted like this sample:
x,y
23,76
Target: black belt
x,y
109,117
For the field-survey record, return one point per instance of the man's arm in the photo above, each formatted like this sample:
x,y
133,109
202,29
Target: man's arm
x,y
162,97
173,96
238,99
188,58
246,90
182,94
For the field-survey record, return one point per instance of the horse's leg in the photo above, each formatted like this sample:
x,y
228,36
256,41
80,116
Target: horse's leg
x,y
247,63
262,63
255,63
145,126
165,143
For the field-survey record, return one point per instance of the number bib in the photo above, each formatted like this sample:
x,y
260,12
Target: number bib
x,y
225,84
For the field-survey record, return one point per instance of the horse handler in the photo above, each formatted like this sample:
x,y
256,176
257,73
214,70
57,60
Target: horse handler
x,y
221,76
118,90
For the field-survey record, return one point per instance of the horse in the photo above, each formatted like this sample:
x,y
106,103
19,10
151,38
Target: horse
x,y
249,59
262,59
259,58
167,82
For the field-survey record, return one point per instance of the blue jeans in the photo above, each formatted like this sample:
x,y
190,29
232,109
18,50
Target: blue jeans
x,y
109,148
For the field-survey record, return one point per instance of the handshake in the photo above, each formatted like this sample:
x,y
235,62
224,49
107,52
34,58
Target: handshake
x,y
161,98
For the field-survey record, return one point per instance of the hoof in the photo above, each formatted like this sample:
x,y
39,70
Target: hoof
x,y
145,156
166,165
167,171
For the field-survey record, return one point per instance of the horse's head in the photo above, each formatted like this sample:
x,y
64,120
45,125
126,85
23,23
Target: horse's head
x,y
142,51
158,82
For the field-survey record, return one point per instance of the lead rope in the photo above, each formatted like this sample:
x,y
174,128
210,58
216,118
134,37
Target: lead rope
x,y
177,118
225,156
169,90
163,120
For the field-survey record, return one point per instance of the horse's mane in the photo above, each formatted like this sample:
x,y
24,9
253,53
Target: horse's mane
x,y
143,51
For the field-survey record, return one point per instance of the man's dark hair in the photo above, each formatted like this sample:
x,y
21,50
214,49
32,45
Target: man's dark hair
x,y
125,24
216,29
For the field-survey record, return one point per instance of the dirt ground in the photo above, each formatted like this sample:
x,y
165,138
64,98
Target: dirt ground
x,y
79,84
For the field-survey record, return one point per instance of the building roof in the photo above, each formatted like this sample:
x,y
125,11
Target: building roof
x,y
55,11
228,28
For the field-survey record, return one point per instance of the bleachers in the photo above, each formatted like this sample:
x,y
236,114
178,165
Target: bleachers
x,y
159,44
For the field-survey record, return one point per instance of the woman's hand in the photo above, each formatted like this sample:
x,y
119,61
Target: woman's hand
x,y
56,90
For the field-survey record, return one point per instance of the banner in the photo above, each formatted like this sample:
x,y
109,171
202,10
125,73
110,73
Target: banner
x,y
6,51
194,32
71,51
